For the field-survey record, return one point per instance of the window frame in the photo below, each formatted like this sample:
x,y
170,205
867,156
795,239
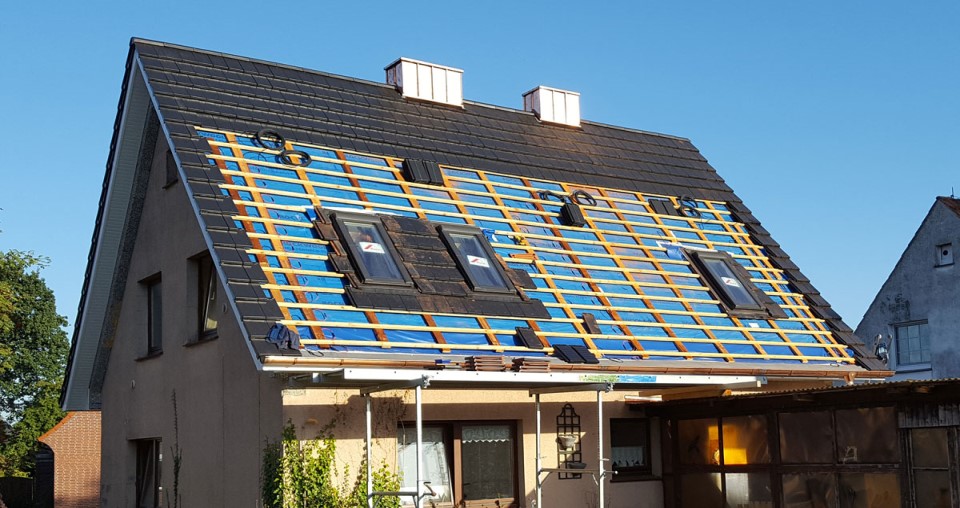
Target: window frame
x,y
632,473
446,233
154,289
699,260
340,218
941,258
921,325
206,279
147,449
452,435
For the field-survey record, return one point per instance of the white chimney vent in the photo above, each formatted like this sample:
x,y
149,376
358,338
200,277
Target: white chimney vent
x,y
426,81
553,105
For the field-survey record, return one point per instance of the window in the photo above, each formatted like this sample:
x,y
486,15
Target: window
x,y
370,250
154,315
932,465
476,258
469,463
148,473
945,254
630,448
207,298
721,272
170,175
913,344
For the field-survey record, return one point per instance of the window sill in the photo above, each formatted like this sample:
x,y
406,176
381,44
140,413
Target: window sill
x,y
152,354
943,265
207,337
635,477
913,367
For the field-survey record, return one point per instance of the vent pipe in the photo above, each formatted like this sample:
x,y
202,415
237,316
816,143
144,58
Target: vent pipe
x,y
553,105
426,81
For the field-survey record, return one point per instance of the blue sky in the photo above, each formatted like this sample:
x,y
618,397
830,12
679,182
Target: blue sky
x,y
836,122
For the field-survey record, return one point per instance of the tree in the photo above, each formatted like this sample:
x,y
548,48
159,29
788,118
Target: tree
x,y
33,355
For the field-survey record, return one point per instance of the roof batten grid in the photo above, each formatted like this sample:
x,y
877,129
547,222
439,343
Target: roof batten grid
x,y
572,249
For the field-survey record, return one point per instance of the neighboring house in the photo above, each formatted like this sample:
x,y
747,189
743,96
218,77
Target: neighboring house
x,y
916,311
276,244
75,443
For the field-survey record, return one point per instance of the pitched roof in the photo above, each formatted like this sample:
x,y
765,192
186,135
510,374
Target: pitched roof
x,y
494,160
950,202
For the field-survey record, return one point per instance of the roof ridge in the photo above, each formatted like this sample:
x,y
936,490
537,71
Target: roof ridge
x,y
138,40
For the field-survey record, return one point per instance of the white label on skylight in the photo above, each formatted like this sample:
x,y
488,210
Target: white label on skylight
x,y
478,261
730,281
371,247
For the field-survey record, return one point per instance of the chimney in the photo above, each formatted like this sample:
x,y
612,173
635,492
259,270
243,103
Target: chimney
x,y
553,105
426,81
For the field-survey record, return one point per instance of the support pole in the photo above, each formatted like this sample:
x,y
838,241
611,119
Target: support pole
x,y
600,465
539,455
417,498
369,443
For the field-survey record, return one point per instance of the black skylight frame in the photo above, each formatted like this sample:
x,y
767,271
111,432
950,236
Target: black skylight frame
x,y
448,231
341,221
717,268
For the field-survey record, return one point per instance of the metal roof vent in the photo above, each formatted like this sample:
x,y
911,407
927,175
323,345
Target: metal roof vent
x,y
426,81
553,105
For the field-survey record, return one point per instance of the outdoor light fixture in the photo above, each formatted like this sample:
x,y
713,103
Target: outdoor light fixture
x,y
881,349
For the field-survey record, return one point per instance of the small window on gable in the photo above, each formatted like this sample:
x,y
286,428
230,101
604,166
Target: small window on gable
x,y
171,175
476,259
154,315
945,254
207,293
370,249
730,282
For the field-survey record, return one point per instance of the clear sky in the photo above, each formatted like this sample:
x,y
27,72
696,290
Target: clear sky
x,y
836,122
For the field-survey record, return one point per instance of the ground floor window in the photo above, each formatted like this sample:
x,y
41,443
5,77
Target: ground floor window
x,y
148,473
467,463
934,468
630,448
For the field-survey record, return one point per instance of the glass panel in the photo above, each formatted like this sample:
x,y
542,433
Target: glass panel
x,y
817,490
699,441
933,488
913,345
436,469
488,465
483,270
155,318
745,440
373,251
628,445
701,491
748,490
729,283
930,447
867,435
806,437
869,490
208,297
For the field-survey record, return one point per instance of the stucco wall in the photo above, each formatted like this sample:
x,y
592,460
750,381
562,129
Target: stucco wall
x,y
918,290
309,409
225,407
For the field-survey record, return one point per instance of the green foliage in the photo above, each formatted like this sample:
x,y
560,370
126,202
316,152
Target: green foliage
x,y
33,354
301,474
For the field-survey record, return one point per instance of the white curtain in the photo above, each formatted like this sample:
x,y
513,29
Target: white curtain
x,y
485,433
436,469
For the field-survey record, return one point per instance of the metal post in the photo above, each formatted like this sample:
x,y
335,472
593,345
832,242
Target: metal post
x,y
600,476
539,458
369,466
416,499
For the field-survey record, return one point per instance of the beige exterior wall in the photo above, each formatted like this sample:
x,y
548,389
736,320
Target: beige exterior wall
x,y
310,409
226,409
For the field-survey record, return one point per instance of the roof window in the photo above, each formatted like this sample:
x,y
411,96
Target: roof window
x,y
370,250
731,282
475,258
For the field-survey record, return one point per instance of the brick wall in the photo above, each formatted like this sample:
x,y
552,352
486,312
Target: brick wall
x,y
75,442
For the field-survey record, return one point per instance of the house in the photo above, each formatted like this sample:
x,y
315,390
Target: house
x,y
75,446
915,315
472,296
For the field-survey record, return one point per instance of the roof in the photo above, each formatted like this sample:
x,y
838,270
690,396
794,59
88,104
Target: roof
x,y
255,214
951,203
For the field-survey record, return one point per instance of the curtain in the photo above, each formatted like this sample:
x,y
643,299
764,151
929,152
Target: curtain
x,y
436,469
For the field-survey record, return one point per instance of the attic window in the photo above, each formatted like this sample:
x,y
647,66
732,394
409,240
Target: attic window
x,y
945,254
370,250
730,282
475,258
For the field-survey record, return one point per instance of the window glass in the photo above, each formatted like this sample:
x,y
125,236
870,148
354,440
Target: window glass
x,y
867,435
207,291
699,441
815,490
930,447
629,446
435,468
154,317
745,440
148,473
869,490
748,489
806,437
488,462
729,283
373,252
481,268
701,490
933,488
913,345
